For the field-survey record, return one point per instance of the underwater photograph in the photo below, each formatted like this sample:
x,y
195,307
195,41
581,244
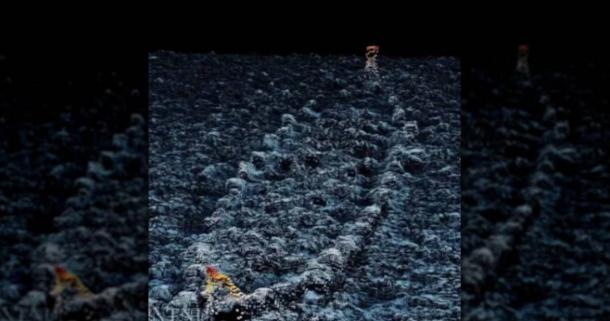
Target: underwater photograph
x,y
304,187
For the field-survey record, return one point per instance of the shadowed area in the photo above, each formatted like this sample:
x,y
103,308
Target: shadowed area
x,y
535,206
73,242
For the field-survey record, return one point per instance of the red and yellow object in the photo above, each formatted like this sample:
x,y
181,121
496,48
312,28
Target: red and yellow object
x,y
67,280
371,59
372,51
216,278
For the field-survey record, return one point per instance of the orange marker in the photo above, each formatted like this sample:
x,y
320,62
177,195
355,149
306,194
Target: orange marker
x,y
217,278
371,59
64,279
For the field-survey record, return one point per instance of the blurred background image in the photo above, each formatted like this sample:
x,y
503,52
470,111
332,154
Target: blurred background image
x,y
535,179
74,175
73,180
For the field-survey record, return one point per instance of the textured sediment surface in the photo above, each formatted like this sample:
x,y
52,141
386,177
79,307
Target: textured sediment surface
x,y
72,178
324,194
536,212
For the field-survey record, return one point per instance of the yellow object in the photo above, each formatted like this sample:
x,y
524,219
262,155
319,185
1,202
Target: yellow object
x,y
209,286
217,278
65,280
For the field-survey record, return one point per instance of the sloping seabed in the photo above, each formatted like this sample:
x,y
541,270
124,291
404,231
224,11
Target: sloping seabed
x,y
536,212
72,173
323,193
